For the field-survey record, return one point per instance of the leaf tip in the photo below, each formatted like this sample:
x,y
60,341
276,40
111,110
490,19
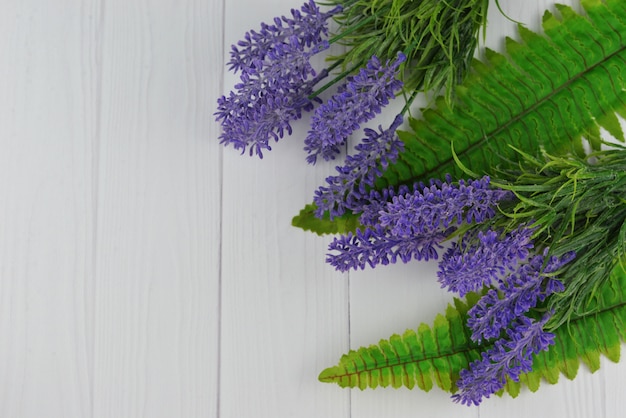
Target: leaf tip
x,y
329,375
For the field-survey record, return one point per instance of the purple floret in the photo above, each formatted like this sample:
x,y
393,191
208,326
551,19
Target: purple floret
x,y
480,259
348,189
276,79
531,282
509,357
501,315
357,101
413,225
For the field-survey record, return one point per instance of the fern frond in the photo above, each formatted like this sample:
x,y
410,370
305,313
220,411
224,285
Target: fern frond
x,y
436,355
547,92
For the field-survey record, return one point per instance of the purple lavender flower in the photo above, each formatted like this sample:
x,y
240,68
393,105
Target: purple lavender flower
x,y
479,259
308,25
441,204
372,205
347,190
519,292
412,225
509,357
502,311
375,246
276,79
357,101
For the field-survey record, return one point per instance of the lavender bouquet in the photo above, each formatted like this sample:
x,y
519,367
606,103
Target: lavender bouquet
x,y
505,180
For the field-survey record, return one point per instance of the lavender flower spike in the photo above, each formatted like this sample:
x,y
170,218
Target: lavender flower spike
x,y
442,205
413,225
308,25
508,358
468,267
347,190
511,355
519,292
375,246
276,79
357,101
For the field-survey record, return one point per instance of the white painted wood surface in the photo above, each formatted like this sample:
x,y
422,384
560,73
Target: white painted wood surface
x,y
145,271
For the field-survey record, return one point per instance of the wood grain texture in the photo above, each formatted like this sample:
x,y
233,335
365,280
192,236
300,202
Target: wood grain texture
x,y
48,101
110,213
156,286
146,271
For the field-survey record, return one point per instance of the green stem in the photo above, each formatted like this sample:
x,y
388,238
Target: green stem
x,y
335,65
335,80
351,29
409,101
343,74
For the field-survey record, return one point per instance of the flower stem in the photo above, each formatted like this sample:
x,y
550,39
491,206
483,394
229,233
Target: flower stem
x,y
351,29
334,80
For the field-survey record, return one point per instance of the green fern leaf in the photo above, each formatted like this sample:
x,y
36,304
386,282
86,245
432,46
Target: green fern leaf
x,y
548,92
307,221
436,355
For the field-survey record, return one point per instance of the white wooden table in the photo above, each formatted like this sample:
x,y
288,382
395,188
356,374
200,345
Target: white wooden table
x,y
146,271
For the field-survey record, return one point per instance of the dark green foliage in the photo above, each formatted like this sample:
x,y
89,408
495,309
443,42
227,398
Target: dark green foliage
x,y
438,38
547,93
435,355
574,204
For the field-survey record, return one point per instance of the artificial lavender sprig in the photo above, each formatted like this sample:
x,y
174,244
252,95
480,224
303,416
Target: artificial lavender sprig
x,y
357,101
481,258
517,294
412,225
276,79
308,25
348,189
501,315
375,246
508,357
441,204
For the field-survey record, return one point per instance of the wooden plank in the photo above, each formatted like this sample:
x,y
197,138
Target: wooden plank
x,y
48,104
285,314
156,284
609,387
